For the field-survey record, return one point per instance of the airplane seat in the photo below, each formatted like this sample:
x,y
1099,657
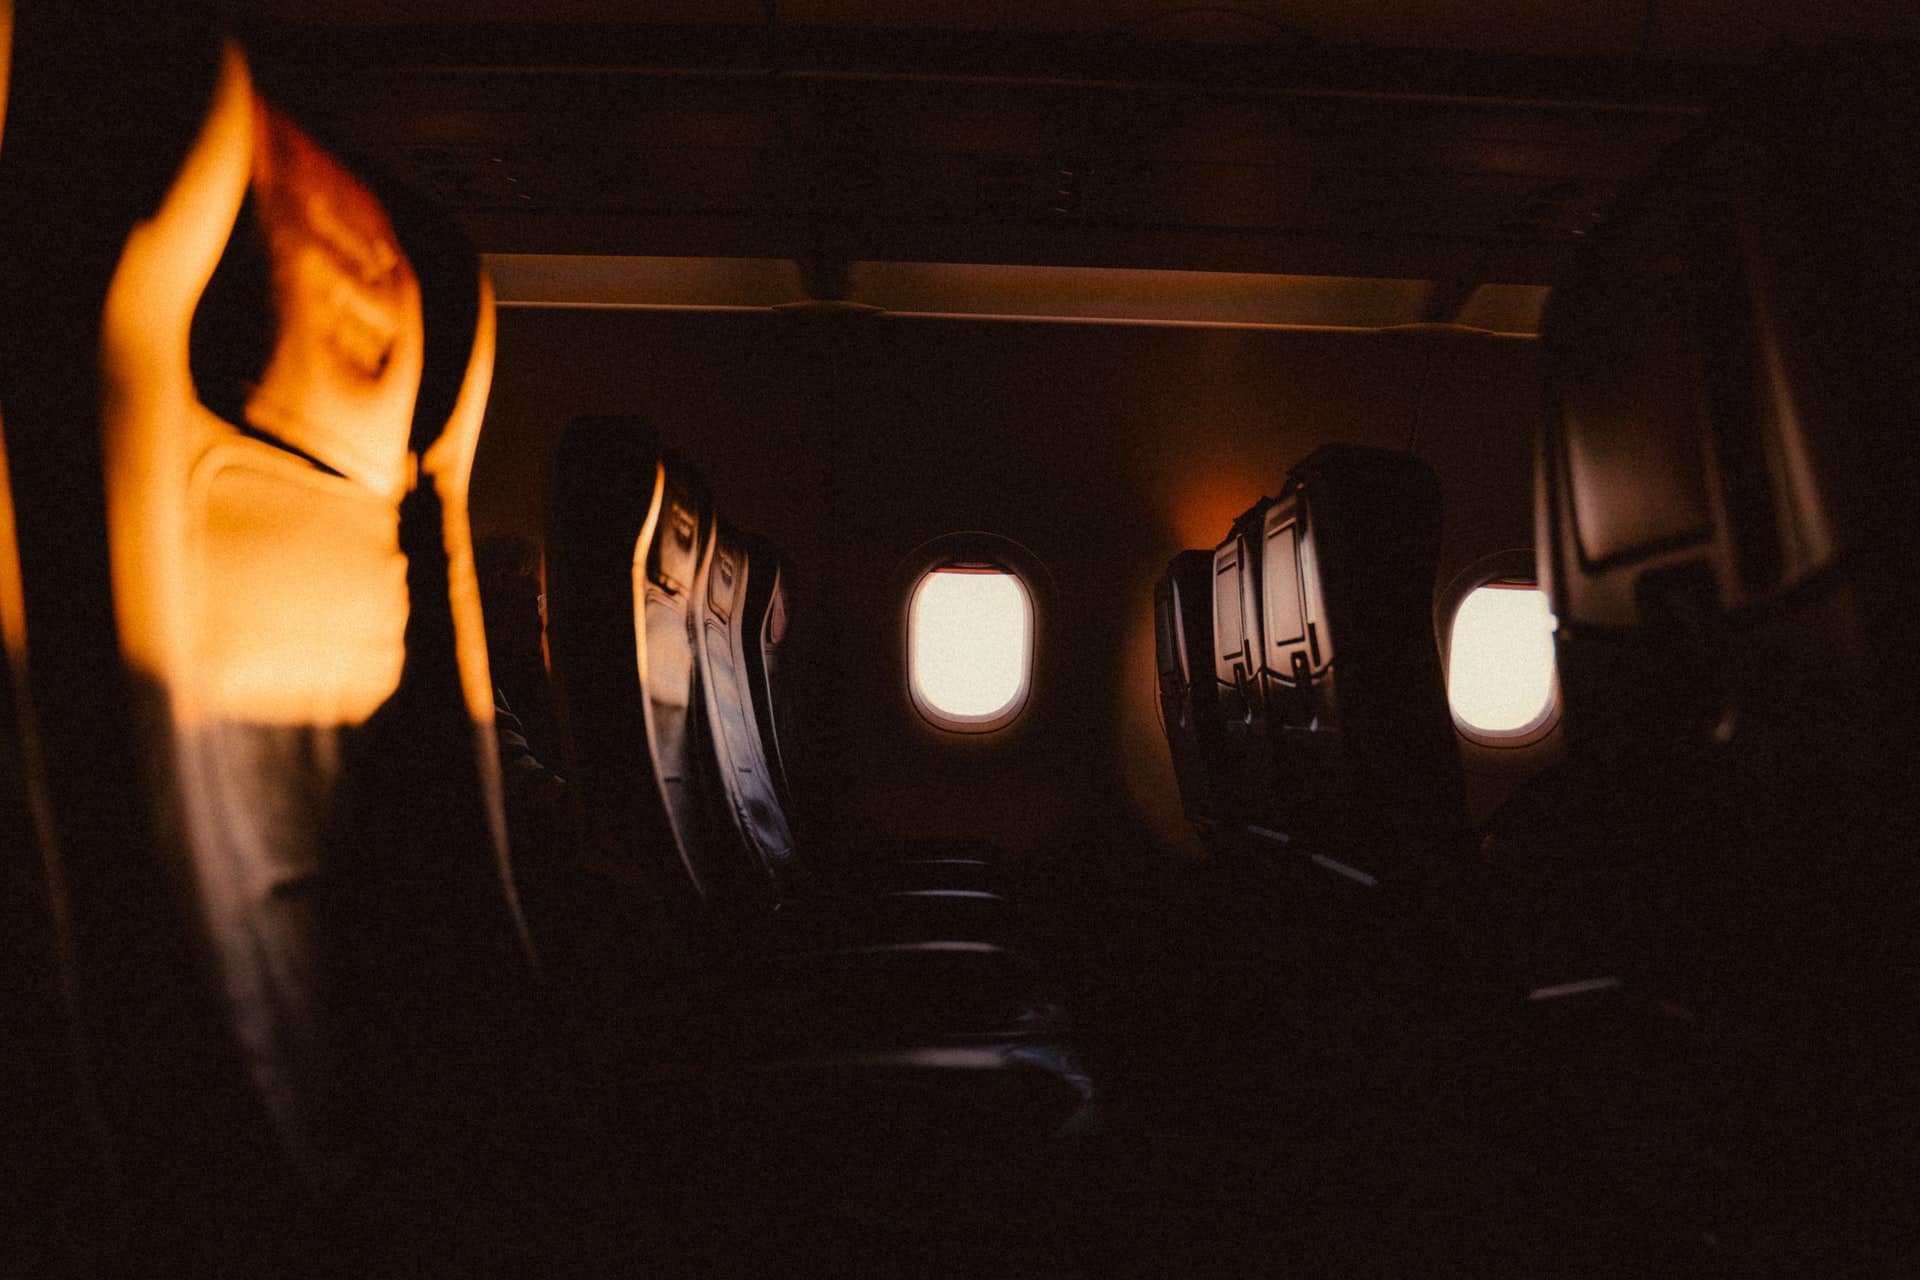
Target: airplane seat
x,y
630,527
705,824
1327,674
767,621
631,551
241,537
1189,701
1720,489
744,779
1343,856
726,817
874,1024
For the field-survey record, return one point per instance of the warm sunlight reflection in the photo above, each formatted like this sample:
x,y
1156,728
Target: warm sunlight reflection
x,y
1500,663
970,644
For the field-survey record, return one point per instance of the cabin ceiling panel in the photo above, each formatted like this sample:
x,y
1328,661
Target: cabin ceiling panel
x,y
1597,26
704,165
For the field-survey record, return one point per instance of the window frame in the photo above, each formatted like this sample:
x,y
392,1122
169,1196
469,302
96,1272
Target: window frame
x,y
1507,570
989,722
975,549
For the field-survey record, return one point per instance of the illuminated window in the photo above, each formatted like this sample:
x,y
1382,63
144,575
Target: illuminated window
x,y
969,647
1500,672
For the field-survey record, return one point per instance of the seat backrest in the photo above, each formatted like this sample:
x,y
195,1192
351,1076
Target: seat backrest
x,y
747,801
239,467
1236,632
1367,538
1188,693
767,630
1346,743
630,537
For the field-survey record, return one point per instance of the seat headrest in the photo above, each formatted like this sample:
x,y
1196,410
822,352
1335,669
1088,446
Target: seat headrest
x,y
1629,486
1721,419
309,332
1384,498
630,538
1354,532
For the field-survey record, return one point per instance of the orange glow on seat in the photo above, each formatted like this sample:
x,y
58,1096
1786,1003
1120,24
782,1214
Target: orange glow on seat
x,y
1500,662
970,646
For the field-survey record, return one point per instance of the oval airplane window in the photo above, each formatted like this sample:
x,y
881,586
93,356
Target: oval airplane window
x,y
969,647
1500,664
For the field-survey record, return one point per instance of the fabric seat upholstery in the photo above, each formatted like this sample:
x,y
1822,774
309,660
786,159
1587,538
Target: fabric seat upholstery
x,y
241,399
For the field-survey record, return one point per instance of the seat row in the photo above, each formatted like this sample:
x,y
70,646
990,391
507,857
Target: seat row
x,y
1300,689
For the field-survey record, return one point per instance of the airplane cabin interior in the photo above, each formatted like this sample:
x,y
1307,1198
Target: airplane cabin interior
x,y
1075,639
